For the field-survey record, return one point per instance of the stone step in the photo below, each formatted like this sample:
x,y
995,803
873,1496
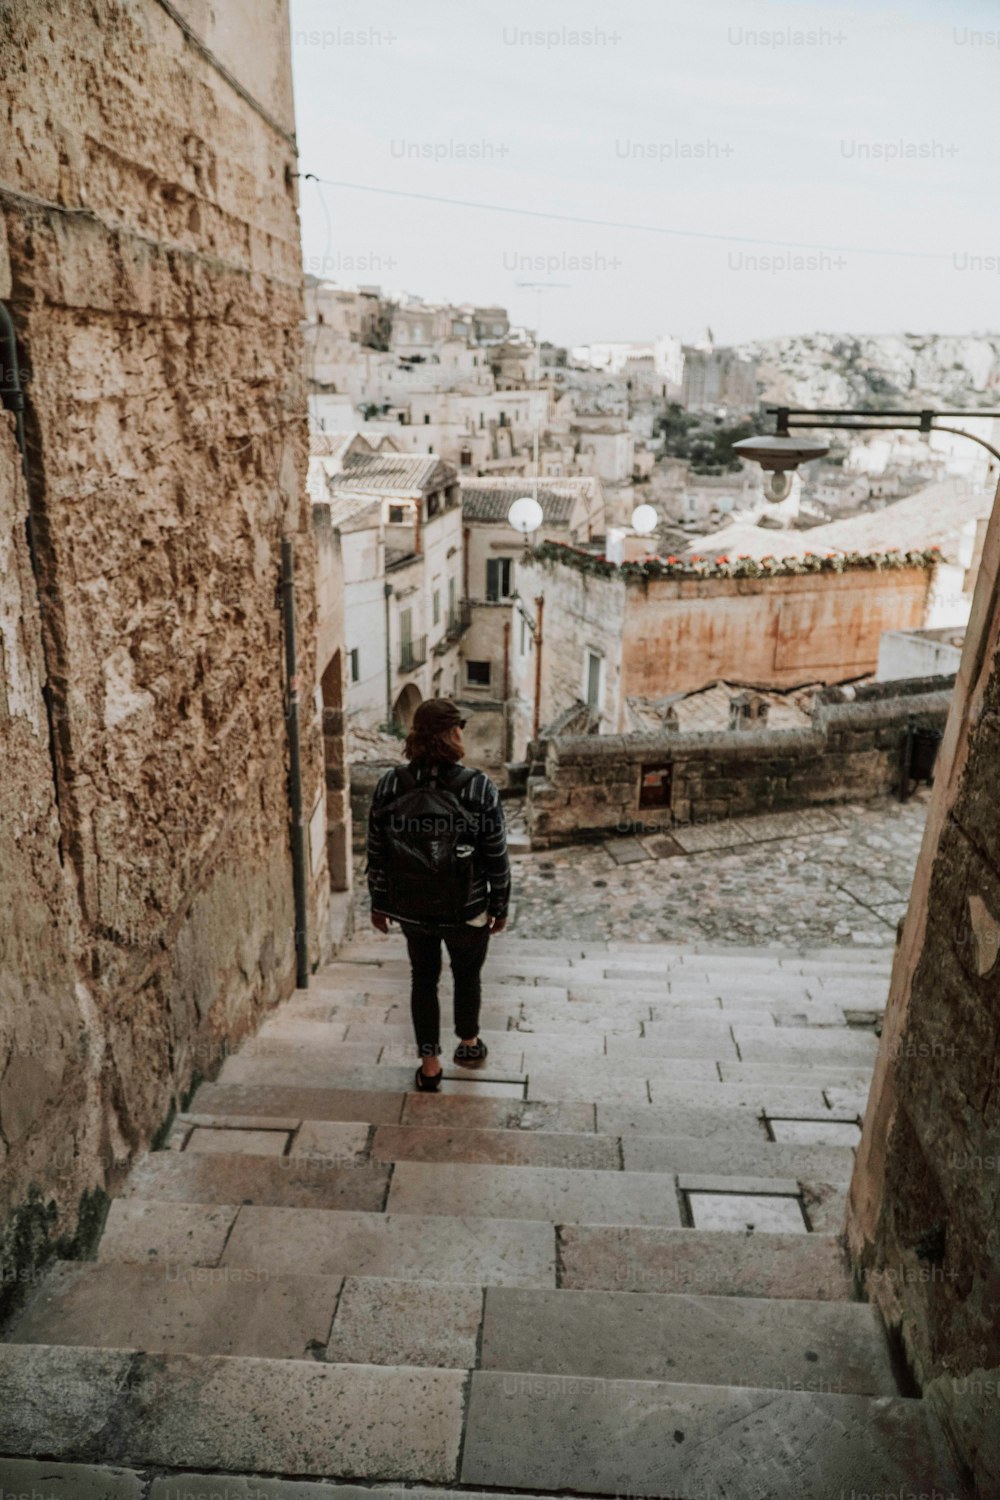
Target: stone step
x,y
690,1441
828,1074
787,1345
182,1309
297,1068
471,1249
233,1177
347,1143
231,1413
457,1110
706,1262
378,1106
694,1115
554,1195
519,1148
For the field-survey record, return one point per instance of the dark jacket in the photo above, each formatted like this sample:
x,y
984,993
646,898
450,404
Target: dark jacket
x,y
481,802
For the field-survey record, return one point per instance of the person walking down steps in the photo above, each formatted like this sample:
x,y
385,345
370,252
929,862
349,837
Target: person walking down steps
x,y
438,865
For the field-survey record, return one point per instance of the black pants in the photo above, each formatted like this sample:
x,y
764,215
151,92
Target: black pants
x,y
467,951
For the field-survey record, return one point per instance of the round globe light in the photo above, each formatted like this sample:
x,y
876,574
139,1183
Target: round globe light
x,y
526,515
644,519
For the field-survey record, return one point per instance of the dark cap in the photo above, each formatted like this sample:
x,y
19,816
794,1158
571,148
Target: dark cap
x,y
437,716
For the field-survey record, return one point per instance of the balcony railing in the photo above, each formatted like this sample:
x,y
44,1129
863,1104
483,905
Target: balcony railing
x,y
459,620
412,654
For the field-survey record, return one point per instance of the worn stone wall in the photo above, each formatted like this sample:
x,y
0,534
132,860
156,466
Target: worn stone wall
x,y
583,612
591,783
153,274
924,1207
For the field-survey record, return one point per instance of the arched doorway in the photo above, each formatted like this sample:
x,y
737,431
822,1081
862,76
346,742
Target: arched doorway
x,y
406,705
338,804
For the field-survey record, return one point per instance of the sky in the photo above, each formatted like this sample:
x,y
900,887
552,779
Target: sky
x,y
758,168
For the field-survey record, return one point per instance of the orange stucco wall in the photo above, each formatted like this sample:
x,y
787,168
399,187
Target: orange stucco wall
x,y
774,631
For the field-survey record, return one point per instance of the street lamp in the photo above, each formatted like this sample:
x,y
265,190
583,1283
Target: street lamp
x,y
526,515
780,454
644,519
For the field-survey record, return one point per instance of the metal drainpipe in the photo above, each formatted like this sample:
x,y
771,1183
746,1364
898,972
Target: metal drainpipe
x,y
539,610
294,764
388,659
12,397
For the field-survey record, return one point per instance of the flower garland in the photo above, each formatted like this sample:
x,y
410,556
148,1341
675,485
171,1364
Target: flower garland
x,y
742,566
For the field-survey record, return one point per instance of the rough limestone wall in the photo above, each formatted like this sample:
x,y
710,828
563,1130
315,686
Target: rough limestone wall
x,y
924,1206
154,278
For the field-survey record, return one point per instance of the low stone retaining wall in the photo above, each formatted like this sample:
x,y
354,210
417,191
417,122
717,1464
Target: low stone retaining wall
x,y
598,785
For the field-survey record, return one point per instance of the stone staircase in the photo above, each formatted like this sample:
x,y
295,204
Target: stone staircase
x,y
606,1264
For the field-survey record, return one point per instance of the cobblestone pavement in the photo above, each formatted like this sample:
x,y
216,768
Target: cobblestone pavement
x,y
828,877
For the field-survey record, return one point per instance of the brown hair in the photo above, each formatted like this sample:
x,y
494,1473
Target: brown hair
x,y
421,745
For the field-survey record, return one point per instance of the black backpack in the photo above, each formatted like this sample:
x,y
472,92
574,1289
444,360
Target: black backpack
x,y
430,842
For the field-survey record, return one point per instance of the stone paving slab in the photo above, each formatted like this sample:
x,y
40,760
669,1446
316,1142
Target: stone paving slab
x,y
747,1212
660,1045
804,1134
381,1321
824,1073
690,1117
611,1089
194,1233
224,1139
848,1041
753,1157
576,1072
693,1441
551,1194
630,1258
495,1147
734,1341
290,1182
283,1416
301,1039
332,1140
844,1102
305,1071
420,1247
772,1098
37,1479
377,1106
182,1309
468,1113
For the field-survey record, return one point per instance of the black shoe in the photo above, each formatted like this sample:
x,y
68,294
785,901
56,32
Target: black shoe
x,y
471,1056
426,1084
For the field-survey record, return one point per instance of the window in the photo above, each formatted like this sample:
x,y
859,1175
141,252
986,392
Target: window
x,y
593,668
397,515
436,606
498,578
354,664
451,598
406,627
427,419
477,673
433,502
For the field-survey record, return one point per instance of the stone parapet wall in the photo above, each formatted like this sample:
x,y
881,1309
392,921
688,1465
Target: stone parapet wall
x,y
591,785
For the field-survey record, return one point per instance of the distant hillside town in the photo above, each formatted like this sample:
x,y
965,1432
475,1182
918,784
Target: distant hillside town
x,y
429,420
